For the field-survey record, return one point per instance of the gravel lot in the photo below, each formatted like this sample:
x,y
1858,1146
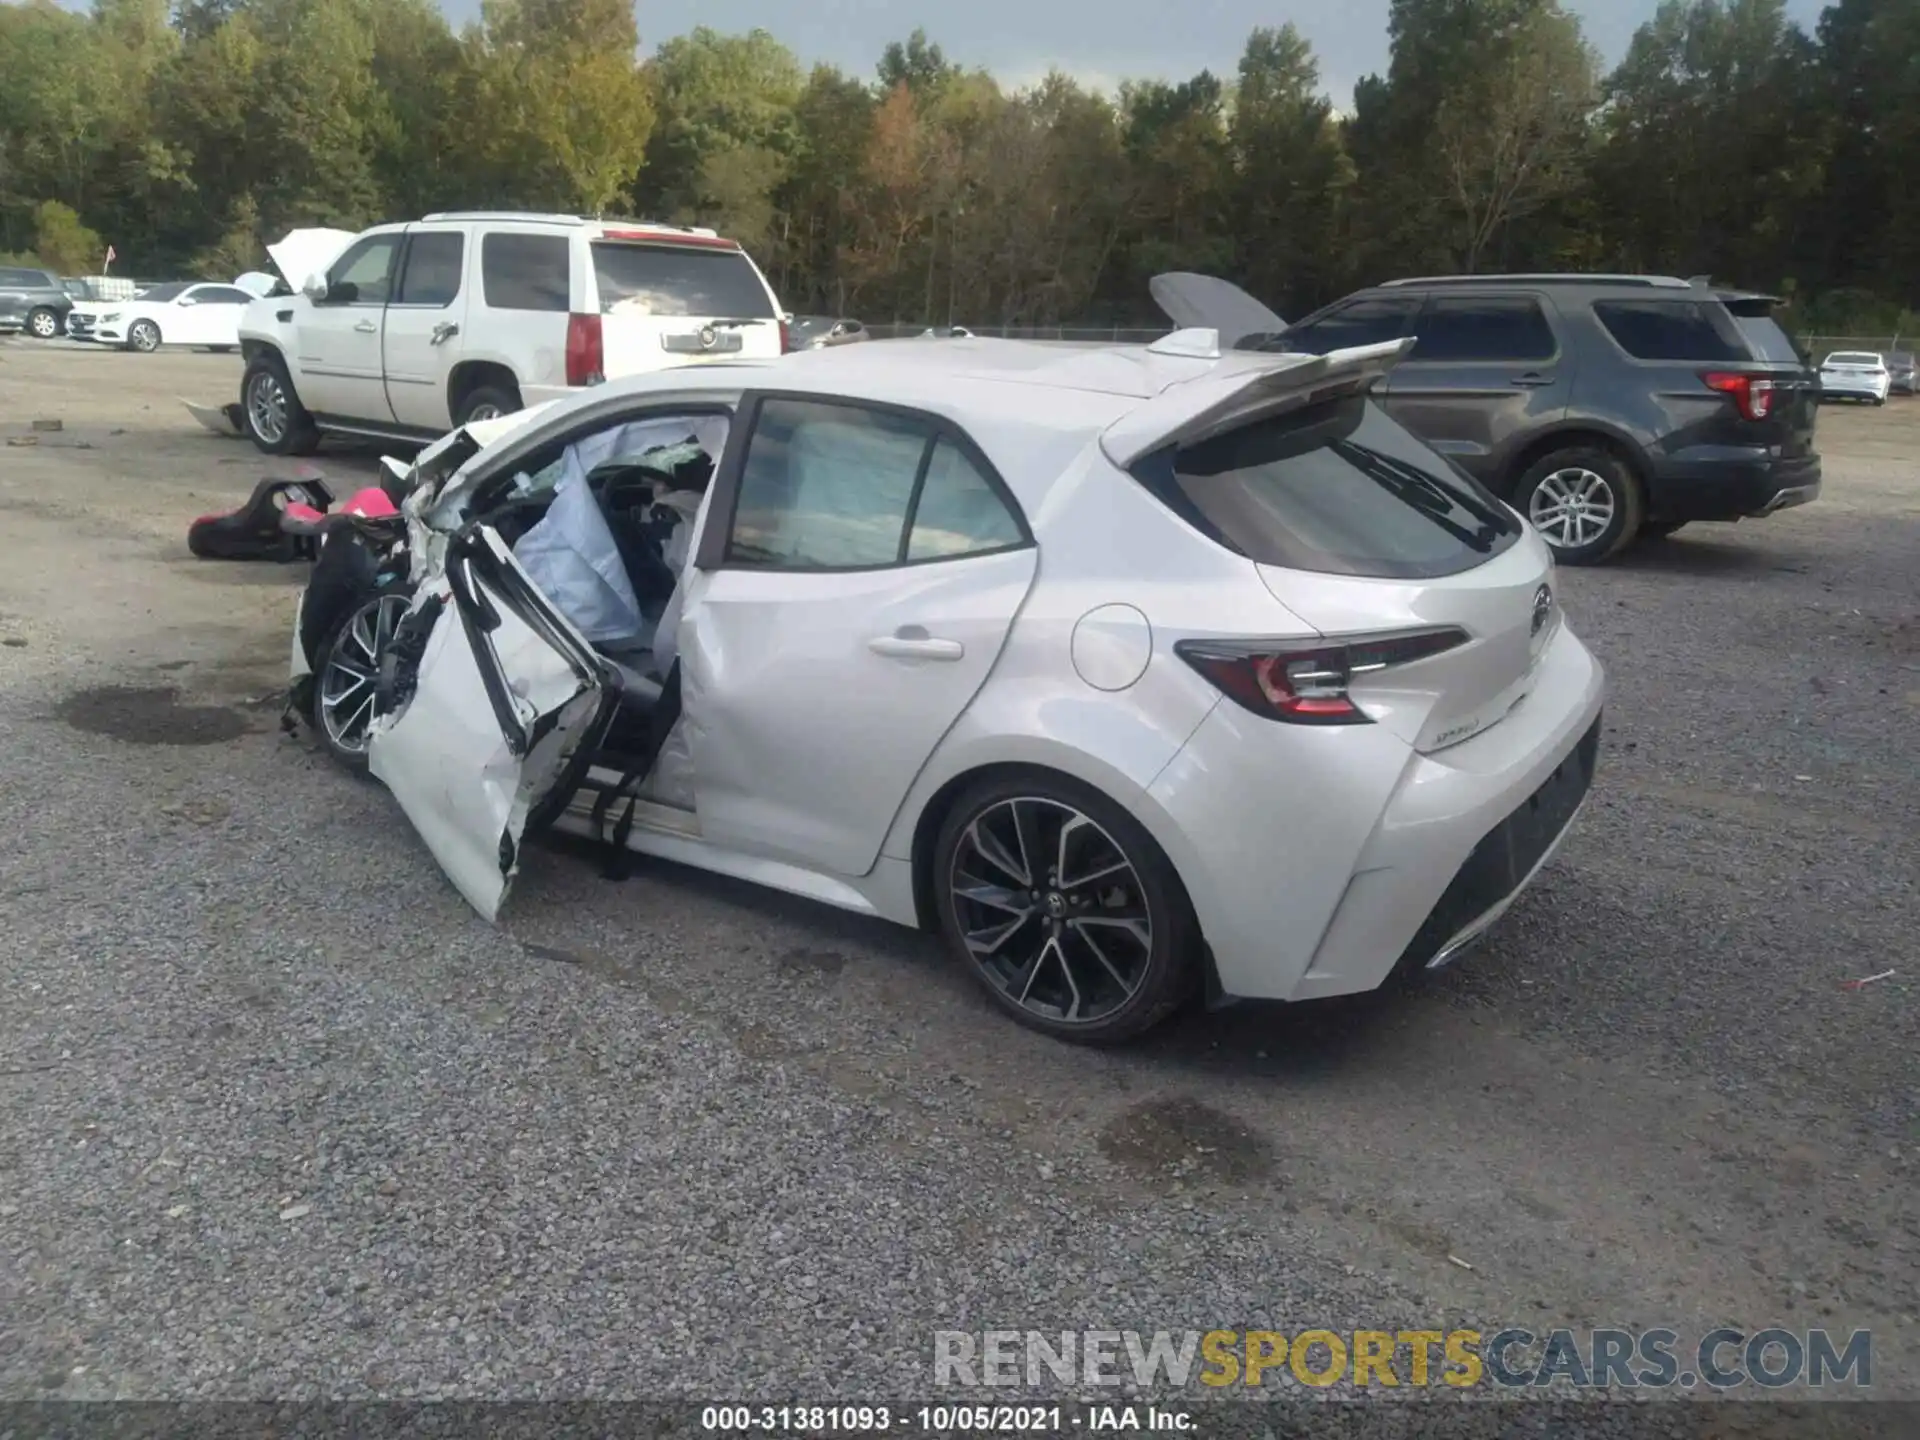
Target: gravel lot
x,y
280,1117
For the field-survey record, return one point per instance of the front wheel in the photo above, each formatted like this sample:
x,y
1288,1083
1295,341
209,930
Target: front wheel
x,y
1584,501
270,412
347,675
43,324
1064,908
144,337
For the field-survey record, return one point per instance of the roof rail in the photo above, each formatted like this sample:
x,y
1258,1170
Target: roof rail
x,y
544,218
1659,282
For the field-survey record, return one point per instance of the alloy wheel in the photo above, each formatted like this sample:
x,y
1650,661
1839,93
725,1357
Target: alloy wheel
x,y
45,324
267,407
485,410
1052,910
1572,507
352,673
144,337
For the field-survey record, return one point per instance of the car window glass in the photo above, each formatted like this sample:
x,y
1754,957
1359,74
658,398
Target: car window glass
x,y
1673,330
364,275
959,512
1767,340
432,275
525,272
826,487
222,295
704,281
1337,487
1490,327
159,294
1364,322
16,277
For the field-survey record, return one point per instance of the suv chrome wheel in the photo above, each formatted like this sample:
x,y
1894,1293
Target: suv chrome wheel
x,y
44,324
1052,910
1573,507
267,406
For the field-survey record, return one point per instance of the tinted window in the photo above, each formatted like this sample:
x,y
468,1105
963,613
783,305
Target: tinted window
x,y
829,487
679,280
171,291
1672,329
1337,488
222,295
959,513
1364,322
1485,328
18,277
1767,340
364,274
1853,357
525,272
432,276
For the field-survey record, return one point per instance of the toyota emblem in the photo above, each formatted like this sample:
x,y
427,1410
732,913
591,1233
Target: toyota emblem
x,y
708,337
1542,608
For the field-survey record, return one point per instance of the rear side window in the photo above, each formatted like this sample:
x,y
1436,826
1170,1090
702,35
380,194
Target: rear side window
x,y
1484,328
222,295
432,274
710,282
525,272
19,277
830,486
1364,322
1673,330
1336,487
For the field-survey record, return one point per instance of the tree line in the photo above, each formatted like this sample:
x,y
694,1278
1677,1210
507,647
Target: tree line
x,y
1728,141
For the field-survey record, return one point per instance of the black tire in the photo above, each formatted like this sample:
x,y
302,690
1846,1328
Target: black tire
x,y
486,401
359,641
1660,529
43,323
1050,958
143,336
1610,508
276,428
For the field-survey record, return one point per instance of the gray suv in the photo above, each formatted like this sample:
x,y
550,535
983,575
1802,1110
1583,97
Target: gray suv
x,y
1602,407
34,301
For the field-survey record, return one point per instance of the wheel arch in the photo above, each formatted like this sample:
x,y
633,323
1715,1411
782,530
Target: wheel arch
x,y
1570,436
926,826
469,375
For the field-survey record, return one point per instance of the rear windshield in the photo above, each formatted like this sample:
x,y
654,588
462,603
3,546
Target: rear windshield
x,y
714,284
1768,340
1693,330
1336,487
1852,357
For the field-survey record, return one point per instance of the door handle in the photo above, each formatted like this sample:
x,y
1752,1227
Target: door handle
x,y
1532,380
366,327
443,332
910,642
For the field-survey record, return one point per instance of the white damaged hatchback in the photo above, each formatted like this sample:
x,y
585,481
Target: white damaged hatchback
x,y
1135,671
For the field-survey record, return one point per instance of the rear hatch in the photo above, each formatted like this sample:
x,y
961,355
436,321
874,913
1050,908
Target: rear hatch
x,y
1796,384
673,297
1434,598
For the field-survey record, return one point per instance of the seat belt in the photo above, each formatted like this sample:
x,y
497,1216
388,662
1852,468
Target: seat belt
x,y
666,714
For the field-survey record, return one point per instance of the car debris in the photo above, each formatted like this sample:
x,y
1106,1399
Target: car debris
x,y
1866,980
222,420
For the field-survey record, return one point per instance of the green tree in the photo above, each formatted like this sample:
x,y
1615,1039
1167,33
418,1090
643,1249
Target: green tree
x,y
63,242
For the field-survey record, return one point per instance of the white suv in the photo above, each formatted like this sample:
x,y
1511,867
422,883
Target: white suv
x,y
416,329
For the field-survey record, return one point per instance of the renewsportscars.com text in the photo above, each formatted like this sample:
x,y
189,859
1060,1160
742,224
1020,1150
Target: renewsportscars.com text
x,y
1512,1358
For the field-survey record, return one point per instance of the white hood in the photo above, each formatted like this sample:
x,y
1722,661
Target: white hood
x,y
306,253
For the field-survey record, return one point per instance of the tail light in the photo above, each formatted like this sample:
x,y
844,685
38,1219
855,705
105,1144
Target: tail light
x,y
786,337
1305,682
586,351
1752,394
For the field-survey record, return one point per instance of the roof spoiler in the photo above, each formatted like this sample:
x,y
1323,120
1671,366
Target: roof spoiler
x,y
1240,389
1206,302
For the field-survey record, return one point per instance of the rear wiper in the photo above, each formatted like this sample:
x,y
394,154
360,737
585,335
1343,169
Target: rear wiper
x,y
1421,492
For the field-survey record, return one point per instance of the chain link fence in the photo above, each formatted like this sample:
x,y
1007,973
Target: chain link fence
x,y
1818,347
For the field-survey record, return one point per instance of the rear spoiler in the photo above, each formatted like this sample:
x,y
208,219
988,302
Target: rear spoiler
x,y
1241,388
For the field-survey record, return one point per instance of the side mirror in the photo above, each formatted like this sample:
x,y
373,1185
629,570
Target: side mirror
x,y
315,288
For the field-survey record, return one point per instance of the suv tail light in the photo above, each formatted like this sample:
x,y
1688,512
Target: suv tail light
x,y
1752,394
1305,682
586,351
786,338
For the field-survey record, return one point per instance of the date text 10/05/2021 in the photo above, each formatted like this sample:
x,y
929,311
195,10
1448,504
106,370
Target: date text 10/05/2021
x,y
943,1419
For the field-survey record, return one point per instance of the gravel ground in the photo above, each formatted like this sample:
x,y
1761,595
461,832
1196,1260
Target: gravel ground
x,y
280,1118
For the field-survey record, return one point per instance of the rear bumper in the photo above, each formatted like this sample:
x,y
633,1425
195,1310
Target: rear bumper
x,y
1734,486
1328,878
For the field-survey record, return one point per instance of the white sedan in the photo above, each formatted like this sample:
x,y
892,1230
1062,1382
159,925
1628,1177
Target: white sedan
x,y
1856,375
179,313
1134,671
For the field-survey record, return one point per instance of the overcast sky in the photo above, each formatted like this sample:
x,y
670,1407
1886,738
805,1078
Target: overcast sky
x,y
1102,41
